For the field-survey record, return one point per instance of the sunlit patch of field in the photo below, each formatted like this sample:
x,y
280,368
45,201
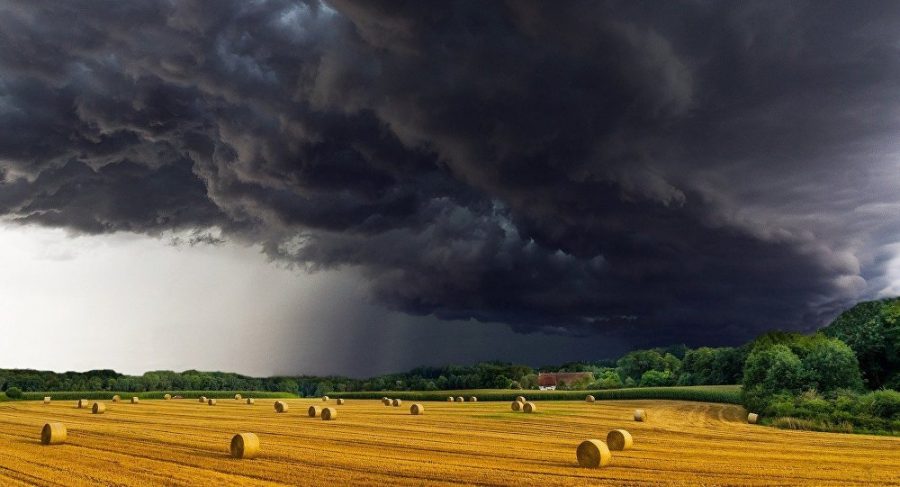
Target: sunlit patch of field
x,y
183,442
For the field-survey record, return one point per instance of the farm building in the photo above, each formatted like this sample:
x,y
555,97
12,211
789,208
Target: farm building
x,y
548,381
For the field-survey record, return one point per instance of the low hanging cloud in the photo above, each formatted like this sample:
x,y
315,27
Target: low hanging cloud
x,y
679,172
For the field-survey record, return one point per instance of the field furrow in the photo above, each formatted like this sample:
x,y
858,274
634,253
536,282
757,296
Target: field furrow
x,y
182,442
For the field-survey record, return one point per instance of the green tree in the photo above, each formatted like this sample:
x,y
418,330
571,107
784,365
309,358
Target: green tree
x,y
872,330
529,381
634,364
657,378
501,382
829,365
607,379
700,365
761,375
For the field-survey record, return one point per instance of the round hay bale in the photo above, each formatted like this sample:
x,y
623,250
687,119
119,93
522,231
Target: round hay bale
x,y
340,402
386,402
529,407
589,398
211,402
237,397
202,399
135,400
244,445
314,411
640,415
451,399
324,398
520,399
116,398
416,409
47,400
752,418
167,397
460,399
281,407
473,399
81,404
619,440
98,408
53,434
397,403
593,454
516,406
251,401
329,414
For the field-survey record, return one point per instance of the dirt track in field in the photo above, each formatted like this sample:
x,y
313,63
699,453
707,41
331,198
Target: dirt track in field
x,y
183,442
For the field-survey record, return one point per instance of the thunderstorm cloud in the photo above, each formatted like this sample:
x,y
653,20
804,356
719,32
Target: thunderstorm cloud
x,y
668,172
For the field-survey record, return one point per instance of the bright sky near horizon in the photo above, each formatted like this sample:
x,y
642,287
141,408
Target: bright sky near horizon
x,y
134,303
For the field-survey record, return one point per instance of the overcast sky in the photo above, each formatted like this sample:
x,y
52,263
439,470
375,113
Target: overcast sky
x,y
360,187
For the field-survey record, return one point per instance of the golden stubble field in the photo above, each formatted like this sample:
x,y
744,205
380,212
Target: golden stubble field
x,y
183,442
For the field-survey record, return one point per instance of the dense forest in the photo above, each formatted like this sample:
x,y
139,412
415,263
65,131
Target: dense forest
x,y
838,379
843,378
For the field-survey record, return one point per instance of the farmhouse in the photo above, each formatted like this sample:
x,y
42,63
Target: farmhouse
x,y
548,381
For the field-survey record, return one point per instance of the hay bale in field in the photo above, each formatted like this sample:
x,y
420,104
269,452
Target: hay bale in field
x,y
324,398
202,399
529,407
47,399
460,399
340,402
244,445
593,454
386,402
416,409
451,399
329,414
517,406
314,411
752,418
251,401
135,400
281,407
116,398
98,408
53,434
81,404
385,398
619,440
590,398
473,399
397,403
211,402
640,415
237,397
167,397
520,399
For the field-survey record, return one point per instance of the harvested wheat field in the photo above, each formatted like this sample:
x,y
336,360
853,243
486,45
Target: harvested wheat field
x,y
187,443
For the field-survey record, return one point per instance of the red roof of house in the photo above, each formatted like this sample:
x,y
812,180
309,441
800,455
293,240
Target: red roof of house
x,y
546,379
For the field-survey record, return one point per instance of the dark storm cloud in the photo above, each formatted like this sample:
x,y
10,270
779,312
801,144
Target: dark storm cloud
x,y
695,171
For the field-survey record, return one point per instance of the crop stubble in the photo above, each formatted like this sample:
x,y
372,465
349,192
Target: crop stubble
x,y
183,442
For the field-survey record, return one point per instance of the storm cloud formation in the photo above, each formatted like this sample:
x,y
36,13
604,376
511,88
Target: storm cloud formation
x,y
671,172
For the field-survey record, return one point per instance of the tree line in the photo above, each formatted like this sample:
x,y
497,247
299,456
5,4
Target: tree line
x,y
641,368
822,379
